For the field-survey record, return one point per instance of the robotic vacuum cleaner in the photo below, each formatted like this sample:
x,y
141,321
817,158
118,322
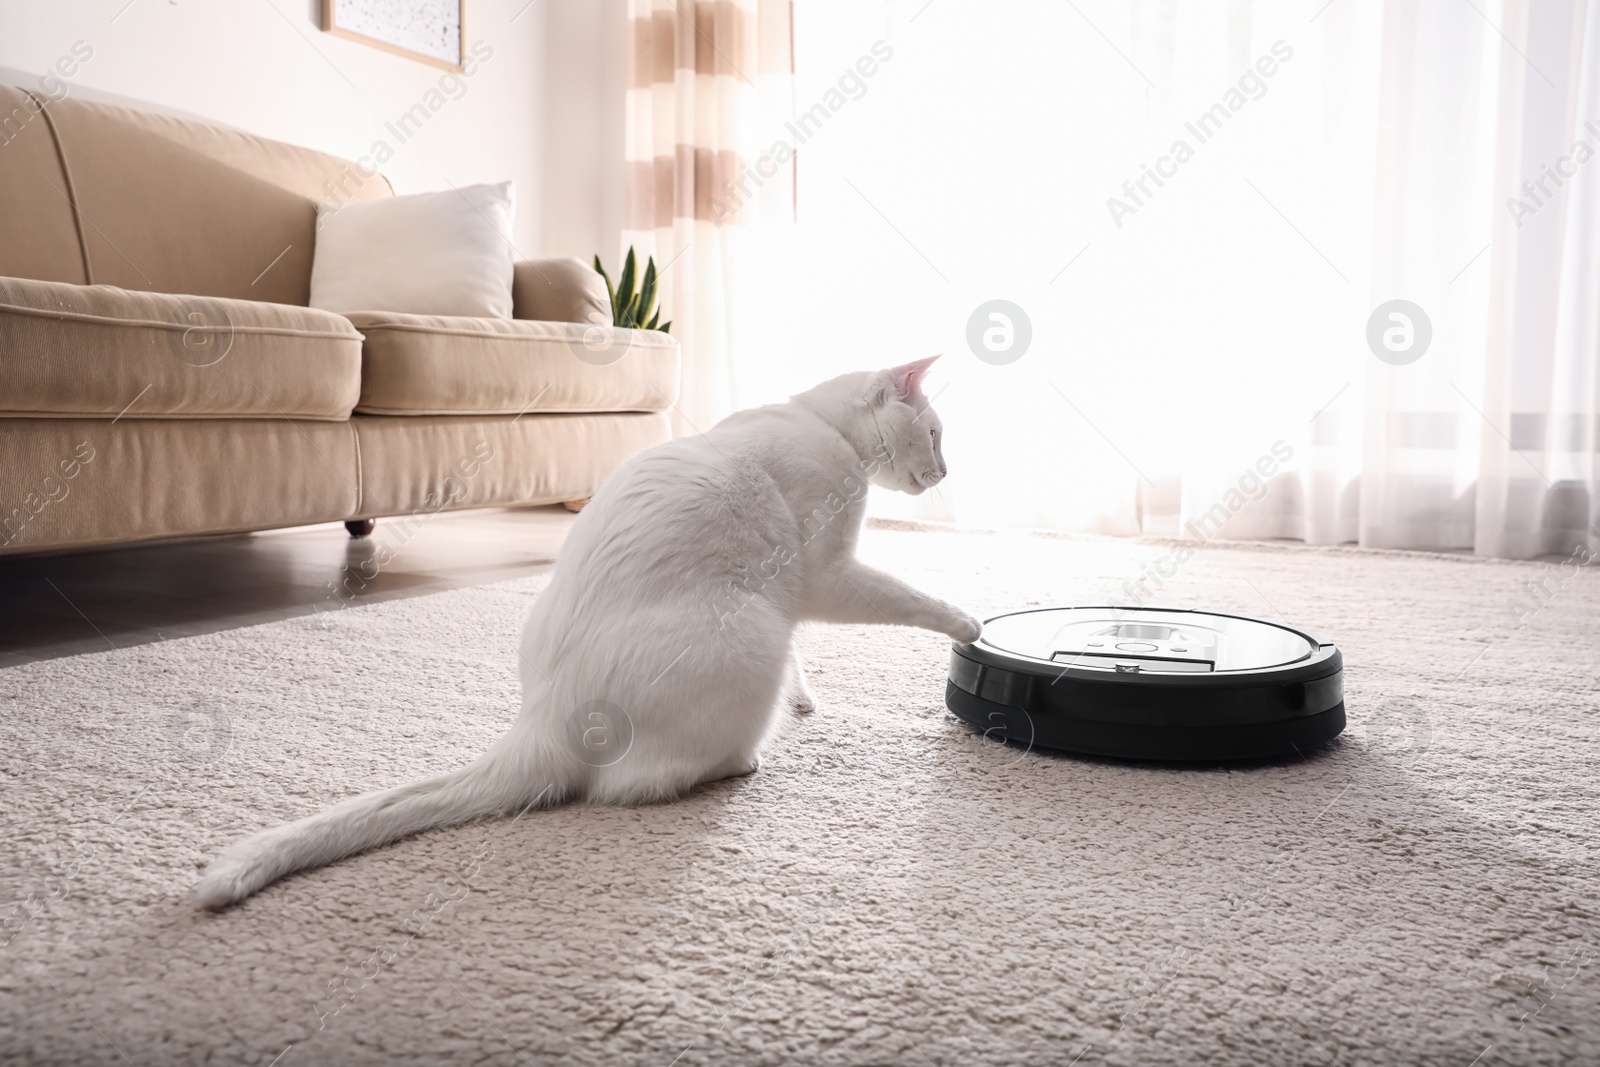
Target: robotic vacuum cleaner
x,y
1148,683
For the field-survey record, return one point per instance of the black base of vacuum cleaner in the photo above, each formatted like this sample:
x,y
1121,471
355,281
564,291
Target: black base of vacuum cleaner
x,y
1149,683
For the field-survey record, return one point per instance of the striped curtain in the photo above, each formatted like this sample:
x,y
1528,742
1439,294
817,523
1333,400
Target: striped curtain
x,y
711,85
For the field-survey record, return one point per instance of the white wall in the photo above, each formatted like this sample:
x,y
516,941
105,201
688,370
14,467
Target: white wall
x,y
545,109
584,64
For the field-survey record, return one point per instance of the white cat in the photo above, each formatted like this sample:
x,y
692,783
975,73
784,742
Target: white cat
x,y
655,658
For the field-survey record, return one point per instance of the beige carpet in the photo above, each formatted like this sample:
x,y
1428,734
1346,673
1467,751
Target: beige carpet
x,y
887,889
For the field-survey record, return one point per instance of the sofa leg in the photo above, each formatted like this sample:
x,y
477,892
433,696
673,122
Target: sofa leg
x,y
360,527
575,505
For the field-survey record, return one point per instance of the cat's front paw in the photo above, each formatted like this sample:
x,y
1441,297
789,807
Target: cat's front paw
x,y
965,630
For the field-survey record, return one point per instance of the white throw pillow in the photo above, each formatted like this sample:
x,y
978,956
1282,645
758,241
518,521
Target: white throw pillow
x,y
429,254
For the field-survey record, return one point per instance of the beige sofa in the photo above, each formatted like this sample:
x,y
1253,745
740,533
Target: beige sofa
x,y
161,374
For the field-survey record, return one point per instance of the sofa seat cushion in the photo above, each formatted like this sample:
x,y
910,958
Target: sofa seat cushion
x,y
94,351
439,365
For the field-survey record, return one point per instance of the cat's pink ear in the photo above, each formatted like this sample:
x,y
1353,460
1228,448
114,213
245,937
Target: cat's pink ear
x,y
907,378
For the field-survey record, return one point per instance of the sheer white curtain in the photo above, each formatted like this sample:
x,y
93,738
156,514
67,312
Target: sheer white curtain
x,y
1198,207
1487,440
707,80
1537,491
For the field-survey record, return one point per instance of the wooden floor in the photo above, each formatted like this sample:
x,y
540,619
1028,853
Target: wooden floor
x,y
67,603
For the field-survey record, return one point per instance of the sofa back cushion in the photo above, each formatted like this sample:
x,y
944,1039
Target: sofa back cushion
x,y
102,195
38,236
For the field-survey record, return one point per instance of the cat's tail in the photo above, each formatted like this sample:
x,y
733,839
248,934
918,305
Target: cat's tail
x,y
505,778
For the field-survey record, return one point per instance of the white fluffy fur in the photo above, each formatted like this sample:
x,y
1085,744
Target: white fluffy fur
x,y
656,657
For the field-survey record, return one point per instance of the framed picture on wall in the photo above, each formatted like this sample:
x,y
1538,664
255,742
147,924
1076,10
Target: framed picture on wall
x,y
425,30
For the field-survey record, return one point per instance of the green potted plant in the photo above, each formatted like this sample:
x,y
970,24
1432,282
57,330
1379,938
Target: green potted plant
x,y
635,310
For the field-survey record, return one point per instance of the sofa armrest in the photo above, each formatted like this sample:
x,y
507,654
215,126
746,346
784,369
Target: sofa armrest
x,y
559,290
